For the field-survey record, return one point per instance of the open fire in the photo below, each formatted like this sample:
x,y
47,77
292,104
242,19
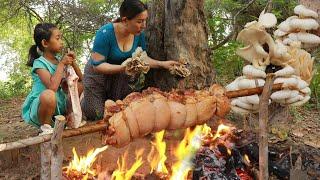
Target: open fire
x,y
201,154
80,167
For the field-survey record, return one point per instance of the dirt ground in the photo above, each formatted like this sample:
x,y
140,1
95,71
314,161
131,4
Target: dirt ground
x,y
303,127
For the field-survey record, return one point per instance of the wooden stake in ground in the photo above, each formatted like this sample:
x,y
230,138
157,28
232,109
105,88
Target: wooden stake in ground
x,y
263,127
45,150
56,148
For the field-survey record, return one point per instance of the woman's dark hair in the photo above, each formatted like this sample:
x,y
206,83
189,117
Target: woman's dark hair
x,y
130,9
42,31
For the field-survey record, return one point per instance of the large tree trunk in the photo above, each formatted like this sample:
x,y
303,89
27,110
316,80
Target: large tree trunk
x,y
177,30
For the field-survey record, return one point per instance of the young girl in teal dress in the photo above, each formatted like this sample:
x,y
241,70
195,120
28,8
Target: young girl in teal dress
x,y
47,98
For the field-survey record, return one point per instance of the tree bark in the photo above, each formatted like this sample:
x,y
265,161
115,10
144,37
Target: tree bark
x,y
177,30
57,148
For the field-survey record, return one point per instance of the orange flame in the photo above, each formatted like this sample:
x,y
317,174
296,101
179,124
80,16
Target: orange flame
x,y
189,146
221,129
157,155
122,173
246,159
185,152
83,164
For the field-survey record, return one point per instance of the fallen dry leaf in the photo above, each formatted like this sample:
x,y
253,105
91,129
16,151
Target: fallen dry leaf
x,y
298,133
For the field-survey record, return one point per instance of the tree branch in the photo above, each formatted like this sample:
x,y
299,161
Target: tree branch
x,y
268,7
31,11
233,31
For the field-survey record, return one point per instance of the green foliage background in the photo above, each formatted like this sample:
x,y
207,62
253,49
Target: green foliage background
x,y
17,26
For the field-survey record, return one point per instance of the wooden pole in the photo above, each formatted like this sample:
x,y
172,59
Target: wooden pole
x,y
45,155
263,126
44,138
57,148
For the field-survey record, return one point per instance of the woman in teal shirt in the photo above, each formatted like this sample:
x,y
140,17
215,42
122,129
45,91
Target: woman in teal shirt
x,y
104,76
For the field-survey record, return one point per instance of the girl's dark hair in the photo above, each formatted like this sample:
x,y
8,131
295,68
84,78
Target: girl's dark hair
x,y
130,9
42,31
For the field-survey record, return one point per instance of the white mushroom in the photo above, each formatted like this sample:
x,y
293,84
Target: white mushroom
x,y
285,72
250,54
250,83
268,20
253,99
309,46
280,33
301,83
294,99
281,55
306,90
302,11
243,105
305,24
305,37
234,84
251,71
283,94
285,25
300,103
288,41
239,110
287,82
255,39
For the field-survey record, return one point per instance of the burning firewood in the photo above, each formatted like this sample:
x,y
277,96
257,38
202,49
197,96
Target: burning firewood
x,y
81,167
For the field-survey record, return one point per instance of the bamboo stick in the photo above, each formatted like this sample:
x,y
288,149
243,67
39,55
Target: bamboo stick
x,y
45,138
263,127
57,148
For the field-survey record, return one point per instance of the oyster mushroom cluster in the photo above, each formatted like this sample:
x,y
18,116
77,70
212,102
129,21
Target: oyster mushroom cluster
x,y
136,64
294,36
180,69
295,91
286,51
297,28
259,46
252,77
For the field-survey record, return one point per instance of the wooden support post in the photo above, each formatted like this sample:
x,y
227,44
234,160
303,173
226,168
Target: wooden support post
x,y
263,127
56,148
45,150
